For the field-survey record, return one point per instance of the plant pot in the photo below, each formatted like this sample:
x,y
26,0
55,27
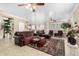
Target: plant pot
x,y
72,40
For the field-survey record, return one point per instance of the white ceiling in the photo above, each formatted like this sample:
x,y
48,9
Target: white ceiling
x,y
55,10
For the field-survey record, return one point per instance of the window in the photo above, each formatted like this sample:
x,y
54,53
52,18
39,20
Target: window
x,y
41,27
33,27
21,26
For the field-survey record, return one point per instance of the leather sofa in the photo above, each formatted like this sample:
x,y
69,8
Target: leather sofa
x,y
23,38
51,32
27,37
59,33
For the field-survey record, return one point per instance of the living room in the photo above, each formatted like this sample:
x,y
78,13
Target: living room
x,y
41,29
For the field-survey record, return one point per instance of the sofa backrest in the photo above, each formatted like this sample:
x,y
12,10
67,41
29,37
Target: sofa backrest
x,y
24,33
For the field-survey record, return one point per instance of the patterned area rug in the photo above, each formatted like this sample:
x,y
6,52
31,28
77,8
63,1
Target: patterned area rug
x,y
54,47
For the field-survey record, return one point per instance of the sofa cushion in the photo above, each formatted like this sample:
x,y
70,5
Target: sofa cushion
x,y
28,40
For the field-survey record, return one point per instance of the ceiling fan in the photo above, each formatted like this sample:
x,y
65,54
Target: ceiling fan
x,y
31,5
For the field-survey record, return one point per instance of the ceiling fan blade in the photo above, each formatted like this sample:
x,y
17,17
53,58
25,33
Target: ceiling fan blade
x,y
40,4
22,4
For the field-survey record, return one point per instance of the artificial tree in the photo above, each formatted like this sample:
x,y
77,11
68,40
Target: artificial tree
x,y
7,26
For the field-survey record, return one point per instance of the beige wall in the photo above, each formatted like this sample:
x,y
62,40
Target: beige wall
x,y
76,18
76,15
16,24
1,30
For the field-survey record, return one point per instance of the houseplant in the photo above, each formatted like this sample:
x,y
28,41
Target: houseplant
x,y
71,36
65,26
7,26
71,33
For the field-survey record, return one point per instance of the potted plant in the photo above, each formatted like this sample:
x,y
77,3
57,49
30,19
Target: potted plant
x,y
71,37
70,34
7,26
65,26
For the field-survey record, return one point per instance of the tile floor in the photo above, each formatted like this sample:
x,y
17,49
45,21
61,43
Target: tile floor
x,y
7,48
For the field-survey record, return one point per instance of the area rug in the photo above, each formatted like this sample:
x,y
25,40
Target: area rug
x,y
53,47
